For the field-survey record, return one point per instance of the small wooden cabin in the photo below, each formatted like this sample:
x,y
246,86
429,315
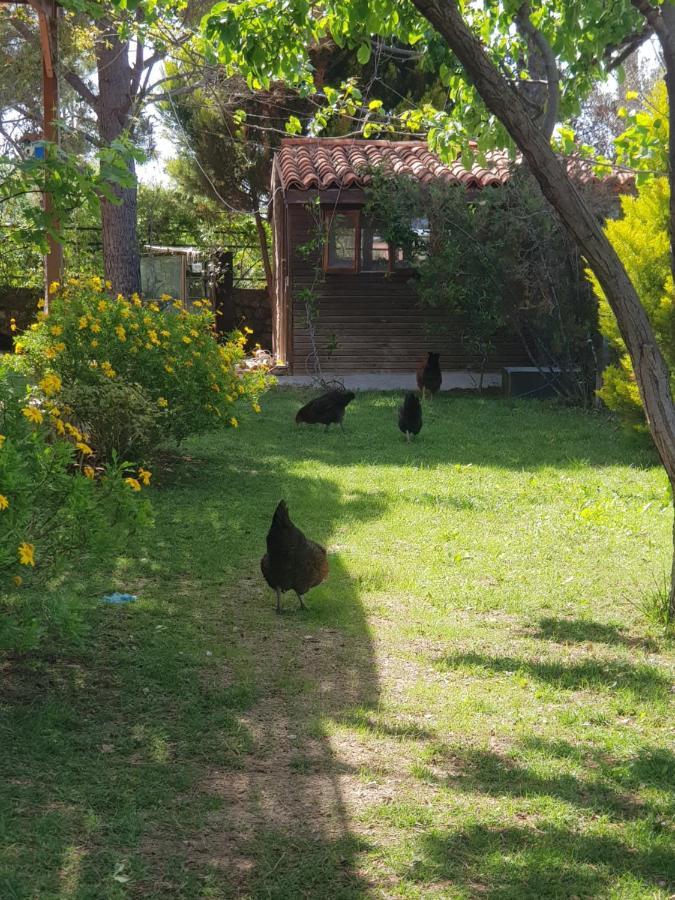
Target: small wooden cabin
x,y
369,319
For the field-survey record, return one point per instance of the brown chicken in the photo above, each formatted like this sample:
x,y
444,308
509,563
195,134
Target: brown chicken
x,y
326,409
429,376
293,562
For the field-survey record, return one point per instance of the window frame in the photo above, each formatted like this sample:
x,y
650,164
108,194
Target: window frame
x,y
355,214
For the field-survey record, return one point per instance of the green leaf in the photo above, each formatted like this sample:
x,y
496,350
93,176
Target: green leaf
x,y
363,54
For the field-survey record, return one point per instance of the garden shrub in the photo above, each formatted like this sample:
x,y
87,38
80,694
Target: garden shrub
x,y
56,506
641,240
165,354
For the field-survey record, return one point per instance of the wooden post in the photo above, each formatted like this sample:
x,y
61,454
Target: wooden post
x,y
48,19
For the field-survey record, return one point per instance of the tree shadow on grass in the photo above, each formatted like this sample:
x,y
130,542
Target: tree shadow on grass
x,y
540,857
494,432
536,861
640,679
578,631
189,740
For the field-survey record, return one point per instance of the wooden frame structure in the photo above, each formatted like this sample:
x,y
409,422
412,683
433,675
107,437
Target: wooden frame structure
x,y
47,13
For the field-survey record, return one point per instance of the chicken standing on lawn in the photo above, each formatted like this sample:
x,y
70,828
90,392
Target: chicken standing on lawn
x,y
293,562
429,377
410,415
326,409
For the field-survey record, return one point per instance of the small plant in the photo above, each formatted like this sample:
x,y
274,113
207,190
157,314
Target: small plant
x,y
164,355
656,609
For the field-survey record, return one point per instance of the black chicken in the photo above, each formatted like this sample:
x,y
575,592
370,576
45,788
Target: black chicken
x,y
326,409
429,376
410,415
292,562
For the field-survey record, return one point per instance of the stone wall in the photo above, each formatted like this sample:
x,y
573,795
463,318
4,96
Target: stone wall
x,y
252,309
16,303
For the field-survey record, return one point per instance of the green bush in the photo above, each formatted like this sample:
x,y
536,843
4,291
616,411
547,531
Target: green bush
x,y
169,355
55,508
641,239
120,419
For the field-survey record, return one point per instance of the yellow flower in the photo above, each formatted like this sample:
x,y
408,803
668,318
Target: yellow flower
x,y
41,303
197,303
12,324
256,407
165,333
102,306
94,344
163,402
84,448
186,339
95,327
194,333
233,422
145,476
55,412
136,299
125,312
89,472
216,388
26,554
60,347
154,307
2,440
73,432
17,580
60,427
177,304
56,330
165,298
133,484
169,369
32,414
248,330
96,282
50,384
4,502
84,321
108,285
152,334
53,287
147,320
107,369
120,332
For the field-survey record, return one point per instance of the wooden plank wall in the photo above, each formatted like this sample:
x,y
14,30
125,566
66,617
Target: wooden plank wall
x,y
372,322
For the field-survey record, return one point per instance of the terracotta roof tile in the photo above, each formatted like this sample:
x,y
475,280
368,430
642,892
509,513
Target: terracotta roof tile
x,y
311,163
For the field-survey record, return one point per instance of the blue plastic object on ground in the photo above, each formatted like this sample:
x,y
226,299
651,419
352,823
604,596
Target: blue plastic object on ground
x,y
116,598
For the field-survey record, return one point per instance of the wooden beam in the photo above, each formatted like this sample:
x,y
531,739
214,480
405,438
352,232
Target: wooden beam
x,y
48,18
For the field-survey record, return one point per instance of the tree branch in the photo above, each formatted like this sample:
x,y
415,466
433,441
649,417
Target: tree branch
x,y
537,40
80,88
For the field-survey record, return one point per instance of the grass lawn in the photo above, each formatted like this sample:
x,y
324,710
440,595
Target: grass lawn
x,y
471,707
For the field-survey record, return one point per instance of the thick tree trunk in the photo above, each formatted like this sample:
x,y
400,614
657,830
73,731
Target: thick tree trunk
x,y
650,368
265,253
120,241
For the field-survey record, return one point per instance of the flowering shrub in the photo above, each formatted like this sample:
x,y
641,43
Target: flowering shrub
x,y
55,505
642,241
170,354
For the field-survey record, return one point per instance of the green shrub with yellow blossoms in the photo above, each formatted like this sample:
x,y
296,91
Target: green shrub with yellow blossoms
x,y
641,239
183,381
57,505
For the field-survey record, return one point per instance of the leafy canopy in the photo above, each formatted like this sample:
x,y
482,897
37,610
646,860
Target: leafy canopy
x,y
269,41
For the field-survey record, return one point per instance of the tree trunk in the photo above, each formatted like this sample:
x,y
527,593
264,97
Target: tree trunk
x,y
265,253
121,260
650,368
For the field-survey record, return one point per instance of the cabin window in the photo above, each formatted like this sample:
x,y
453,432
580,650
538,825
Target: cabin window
x,y
375,251
341,242
410,258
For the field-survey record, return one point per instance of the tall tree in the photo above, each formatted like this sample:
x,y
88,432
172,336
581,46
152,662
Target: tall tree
x,y
577,39
115,73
